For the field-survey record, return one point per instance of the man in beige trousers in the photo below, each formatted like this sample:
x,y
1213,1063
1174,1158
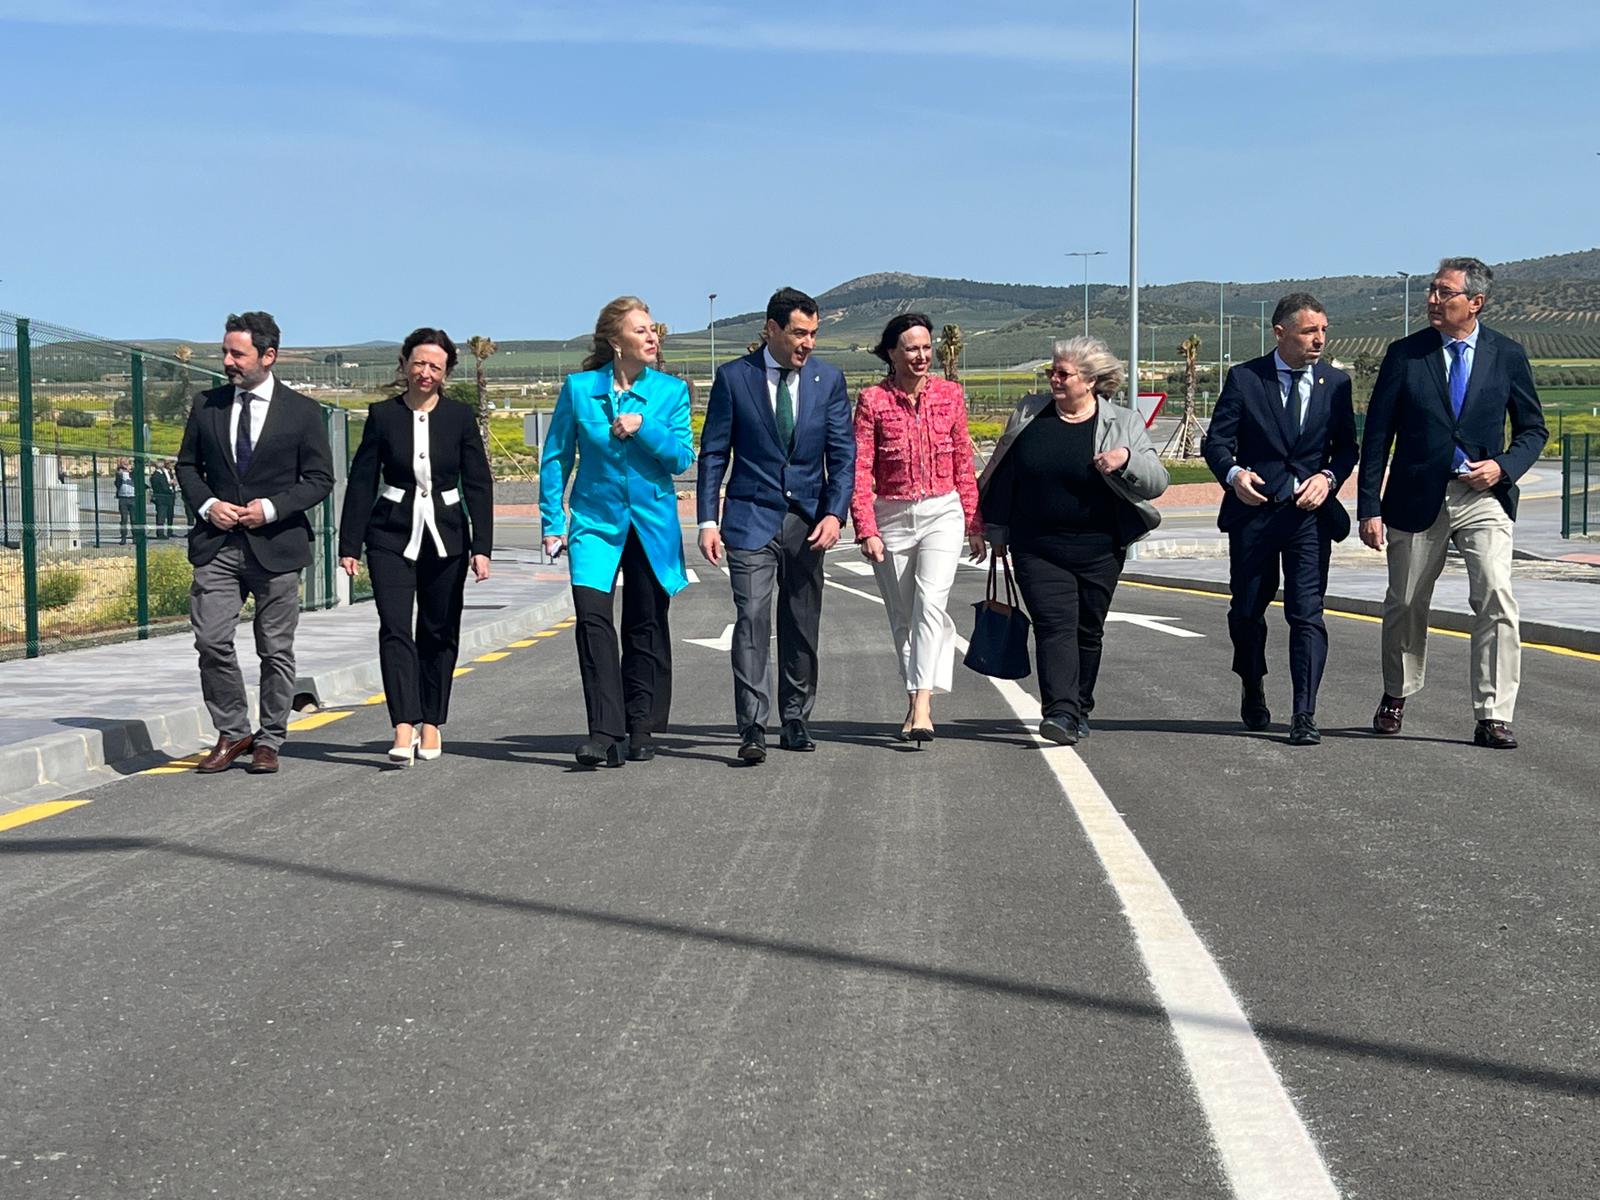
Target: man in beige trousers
x,y
1442,402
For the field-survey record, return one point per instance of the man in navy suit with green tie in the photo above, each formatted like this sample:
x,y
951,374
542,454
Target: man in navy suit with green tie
x,y
1282,441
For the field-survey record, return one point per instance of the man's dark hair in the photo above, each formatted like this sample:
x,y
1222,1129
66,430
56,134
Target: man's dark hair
x,y
1296,302
896,326
785,301
1479,278
263,330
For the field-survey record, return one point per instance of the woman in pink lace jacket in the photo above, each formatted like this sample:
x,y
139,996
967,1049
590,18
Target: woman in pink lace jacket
x,y
915,501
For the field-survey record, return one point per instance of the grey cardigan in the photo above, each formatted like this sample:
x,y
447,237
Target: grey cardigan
x,y
1140,481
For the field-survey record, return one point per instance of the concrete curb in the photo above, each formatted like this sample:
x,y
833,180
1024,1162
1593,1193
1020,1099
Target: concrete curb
x,y
50,767
1567,637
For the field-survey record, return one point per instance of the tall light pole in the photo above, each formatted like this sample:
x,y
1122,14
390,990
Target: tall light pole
x,y
711,328
1133,222
1219,338
1406,275
1086,255
1263,324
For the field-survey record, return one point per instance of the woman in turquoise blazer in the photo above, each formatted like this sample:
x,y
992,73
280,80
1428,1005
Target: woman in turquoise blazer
x,y
627,428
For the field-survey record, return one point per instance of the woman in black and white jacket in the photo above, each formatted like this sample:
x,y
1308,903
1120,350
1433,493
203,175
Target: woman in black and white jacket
x,y
421,498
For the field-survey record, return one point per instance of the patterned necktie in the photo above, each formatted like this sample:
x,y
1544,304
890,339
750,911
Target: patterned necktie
x,y
1458,392
785,413
1296,413
242,446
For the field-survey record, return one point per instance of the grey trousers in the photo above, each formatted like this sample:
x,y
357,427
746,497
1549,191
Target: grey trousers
x,y
215,599
789,568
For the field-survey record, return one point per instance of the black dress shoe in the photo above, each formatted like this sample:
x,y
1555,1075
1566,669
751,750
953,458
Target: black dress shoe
x,y
1253,710
753,745
596,752
641,751
1496,735
795,737
1063,731
1391,712
1083,727
1303,731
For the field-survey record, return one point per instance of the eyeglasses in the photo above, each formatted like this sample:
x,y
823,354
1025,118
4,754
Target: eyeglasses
x,y
1057,373
1445,293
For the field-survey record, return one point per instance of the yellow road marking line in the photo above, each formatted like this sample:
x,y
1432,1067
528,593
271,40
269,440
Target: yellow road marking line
x,y
460,671
36,812
548,633
317,720
378,699
523,644
1588,655
493,656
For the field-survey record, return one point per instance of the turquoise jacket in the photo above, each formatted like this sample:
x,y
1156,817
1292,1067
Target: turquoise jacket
x,y
622,483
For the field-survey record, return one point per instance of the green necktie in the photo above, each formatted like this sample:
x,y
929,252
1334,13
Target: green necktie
x,y
785,413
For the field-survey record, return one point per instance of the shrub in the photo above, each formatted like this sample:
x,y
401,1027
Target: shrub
x,y
168,576
59,587
75,418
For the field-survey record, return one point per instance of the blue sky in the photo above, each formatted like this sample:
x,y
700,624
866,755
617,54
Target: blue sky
x,y
505,168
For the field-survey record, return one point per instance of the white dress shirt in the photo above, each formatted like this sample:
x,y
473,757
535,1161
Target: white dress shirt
x,y
260,398
772,383
1469,349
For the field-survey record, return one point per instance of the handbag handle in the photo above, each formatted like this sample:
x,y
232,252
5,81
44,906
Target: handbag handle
x,y
998,565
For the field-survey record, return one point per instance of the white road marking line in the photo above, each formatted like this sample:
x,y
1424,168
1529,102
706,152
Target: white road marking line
x,y
723,643
690,575
1265,1148
1155,623
855,568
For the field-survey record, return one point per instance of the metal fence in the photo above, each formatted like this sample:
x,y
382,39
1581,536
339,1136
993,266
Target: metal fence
x,y
92,523
1580,475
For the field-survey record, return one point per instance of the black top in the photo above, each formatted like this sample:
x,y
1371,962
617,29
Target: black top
x,y
1047,487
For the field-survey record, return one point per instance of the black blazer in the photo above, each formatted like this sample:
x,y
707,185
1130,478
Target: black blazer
x,y
291,466
1410,410
458,463
1250,428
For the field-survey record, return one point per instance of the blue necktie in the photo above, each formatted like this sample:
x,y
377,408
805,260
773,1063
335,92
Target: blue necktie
x,y
241,442
1458,390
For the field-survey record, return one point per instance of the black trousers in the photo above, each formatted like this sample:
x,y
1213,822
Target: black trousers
x,y
627,691
418,667
1273,534
1067,587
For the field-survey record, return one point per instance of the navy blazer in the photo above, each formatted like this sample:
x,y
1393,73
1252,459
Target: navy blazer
x,y
1250,428
291,466
1410,411
814,479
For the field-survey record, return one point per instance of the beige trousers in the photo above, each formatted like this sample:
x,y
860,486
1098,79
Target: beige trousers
x,y
1481,531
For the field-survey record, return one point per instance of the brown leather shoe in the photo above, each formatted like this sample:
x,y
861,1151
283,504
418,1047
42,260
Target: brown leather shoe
x,y
263,761
1496,735
1391,712
221,756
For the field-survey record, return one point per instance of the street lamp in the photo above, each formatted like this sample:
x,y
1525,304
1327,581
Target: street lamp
x,y
1086,255
711,328
1406,275
1263,323
1133,221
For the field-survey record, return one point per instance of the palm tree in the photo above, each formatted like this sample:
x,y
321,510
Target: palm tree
x,y
482,348
1191,423
950,346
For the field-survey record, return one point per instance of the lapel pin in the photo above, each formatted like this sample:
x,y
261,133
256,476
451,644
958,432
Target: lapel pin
x,y
1322,379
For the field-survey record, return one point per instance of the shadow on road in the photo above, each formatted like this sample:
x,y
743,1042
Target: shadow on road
x,y
1484,1069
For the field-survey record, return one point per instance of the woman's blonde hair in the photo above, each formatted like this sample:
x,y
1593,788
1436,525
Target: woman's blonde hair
x,y
1094,359
606,326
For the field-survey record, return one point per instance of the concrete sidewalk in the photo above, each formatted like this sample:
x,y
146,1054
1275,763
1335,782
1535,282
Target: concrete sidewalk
x,y
74,720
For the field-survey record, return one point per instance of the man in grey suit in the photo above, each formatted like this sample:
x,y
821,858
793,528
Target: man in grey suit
x,y
255,458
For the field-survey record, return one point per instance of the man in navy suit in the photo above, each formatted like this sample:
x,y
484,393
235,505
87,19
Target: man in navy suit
x,y
1282,441
1442,401
783,418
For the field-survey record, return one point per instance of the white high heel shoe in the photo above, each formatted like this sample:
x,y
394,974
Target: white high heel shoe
x,y
404,756
427,755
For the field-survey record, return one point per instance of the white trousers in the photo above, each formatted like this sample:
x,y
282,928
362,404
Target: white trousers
x,y
922,544
1479,527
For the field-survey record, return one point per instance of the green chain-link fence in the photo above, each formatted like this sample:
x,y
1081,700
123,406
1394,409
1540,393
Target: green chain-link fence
x,y
92,523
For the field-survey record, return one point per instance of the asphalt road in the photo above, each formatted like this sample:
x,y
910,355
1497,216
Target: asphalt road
x,y
869,971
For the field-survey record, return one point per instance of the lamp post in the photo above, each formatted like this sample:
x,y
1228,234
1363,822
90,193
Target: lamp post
x,y
1133,221
711,328
1086,255
1263,324
1406,275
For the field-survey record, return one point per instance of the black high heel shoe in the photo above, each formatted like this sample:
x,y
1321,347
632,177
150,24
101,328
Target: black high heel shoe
x,y
921,734
592,752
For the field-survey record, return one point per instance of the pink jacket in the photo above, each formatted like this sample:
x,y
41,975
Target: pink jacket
x,y
907,451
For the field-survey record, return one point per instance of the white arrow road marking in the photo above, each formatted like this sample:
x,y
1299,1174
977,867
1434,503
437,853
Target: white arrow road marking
x,y
1145,622
723,643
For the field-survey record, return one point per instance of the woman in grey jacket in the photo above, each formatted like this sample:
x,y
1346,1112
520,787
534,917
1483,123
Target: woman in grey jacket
x,y
1066,490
